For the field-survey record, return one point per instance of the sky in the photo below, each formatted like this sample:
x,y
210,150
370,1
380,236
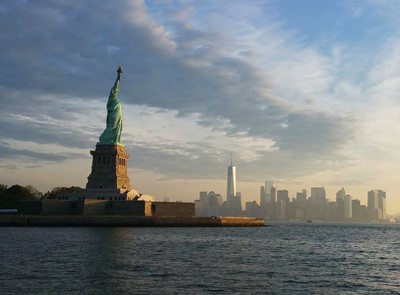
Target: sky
x,y
305,93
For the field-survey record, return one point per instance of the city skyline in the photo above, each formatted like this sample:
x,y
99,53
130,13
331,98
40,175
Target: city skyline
x,y
276,205
302,92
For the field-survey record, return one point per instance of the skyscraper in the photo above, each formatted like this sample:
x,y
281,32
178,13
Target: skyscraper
x,y
283,195
340,195
233,198
382,203
301,197
269,185
318,194
356,210
347,202
231,183
376,204
340,198
263,197
373,200
318,203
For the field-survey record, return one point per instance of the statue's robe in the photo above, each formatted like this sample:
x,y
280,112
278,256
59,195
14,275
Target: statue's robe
x,y
112,133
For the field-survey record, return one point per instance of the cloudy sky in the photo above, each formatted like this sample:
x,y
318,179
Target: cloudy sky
x,y
306,93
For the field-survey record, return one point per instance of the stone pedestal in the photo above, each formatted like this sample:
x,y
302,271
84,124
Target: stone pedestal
x,y
109,168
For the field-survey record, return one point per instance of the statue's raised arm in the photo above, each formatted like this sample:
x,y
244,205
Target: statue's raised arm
x,y
119,72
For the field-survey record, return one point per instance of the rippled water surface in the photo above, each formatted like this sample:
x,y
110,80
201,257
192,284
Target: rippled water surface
x,y
278,259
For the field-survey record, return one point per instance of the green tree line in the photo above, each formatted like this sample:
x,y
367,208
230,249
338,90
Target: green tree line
x,y
10,196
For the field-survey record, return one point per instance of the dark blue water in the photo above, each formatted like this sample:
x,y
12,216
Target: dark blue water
x,y
279,259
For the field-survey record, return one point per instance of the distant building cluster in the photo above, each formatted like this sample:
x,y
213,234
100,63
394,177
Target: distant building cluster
x,y
276,205
212,204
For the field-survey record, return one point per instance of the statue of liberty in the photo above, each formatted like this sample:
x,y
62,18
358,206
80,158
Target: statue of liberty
x,y
112,133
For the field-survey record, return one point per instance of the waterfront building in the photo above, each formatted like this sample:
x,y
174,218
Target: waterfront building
x,y
214,205
301,196
253,209
235,207
269,188
373,204
209,204
382,203
299,205
340,195
318,194
273,194
271,210
364,212
282,204
373,200
283,195
282,210
264,204
356,210
197,207
300,211
331,213
347,206
377,204
340,204
263,197
318,203
202,204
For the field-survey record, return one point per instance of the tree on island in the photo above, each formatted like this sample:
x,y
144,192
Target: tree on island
x,y
33,191
60,190
3,188
10,196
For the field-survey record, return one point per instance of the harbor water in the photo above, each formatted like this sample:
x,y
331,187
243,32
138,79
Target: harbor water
x,y
304,258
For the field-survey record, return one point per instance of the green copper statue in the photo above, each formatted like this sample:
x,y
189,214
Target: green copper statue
x,y
112,133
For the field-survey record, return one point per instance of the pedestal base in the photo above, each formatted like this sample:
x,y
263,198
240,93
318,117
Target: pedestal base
x,y
109,168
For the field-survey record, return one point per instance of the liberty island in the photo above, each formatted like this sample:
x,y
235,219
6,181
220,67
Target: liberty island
x,y
109,199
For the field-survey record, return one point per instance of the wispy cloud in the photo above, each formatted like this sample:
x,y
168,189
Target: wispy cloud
x,y
253,76
7,152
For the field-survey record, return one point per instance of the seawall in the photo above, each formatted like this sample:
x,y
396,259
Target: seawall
x,y
132,221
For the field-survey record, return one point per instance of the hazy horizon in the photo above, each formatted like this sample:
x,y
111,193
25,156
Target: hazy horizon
x,y
305,93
